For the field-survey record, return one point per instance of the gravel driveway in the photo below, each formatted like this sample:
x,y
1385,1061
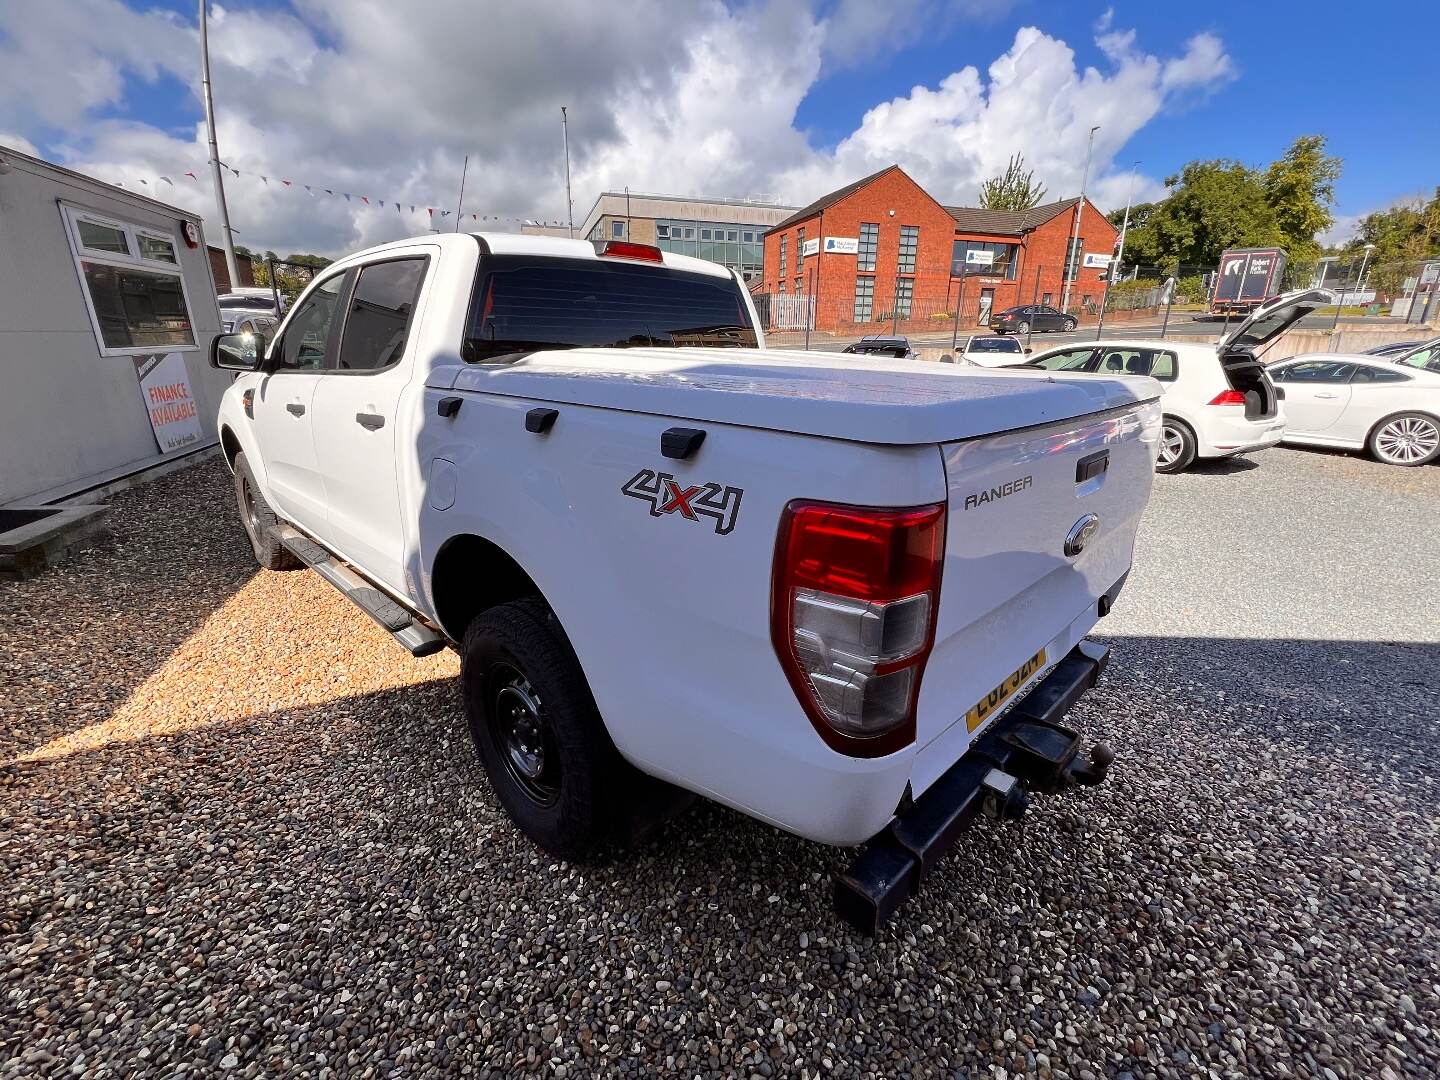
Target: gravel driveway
x,y
242,833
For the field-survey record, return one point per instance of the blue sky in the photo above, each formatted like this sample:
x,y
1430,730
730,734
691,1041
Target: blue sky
x,y
784,97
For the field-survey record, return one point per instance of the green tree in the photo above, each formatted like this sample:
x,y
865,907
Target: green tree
x,y
1015,189
1404,235
1300,190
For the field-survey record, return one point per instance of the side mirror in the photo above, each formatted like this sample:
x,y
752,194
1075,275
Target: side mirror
x,y
236,352
1028,350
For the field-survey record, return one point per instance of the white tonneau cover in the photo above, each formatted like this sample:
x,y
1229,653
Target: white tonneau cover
x,y
864,399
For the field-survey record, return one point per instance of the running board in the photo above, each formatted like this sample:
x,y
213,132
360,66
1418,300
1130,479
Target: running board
x,y
413,635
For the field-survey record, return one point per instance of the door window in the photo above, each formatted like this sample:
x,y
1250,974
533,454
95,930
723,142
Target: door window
x,y
379,313
1364,373
307,337
1322,371
1066,360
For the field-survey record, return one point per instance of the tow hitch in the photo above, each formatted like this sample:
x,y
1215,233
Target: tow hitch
x,y
1027,750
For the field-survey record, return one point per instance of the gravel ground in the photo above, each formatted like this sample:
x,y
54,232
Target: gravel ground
x,y
241,833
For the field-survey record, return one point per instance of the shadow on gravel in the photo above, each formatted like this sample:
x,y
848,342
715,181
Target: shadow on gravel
x,y
1229,466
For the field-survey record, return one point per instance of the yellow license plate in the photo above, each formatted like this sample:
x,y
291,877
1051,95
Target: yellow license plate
x,y
987,706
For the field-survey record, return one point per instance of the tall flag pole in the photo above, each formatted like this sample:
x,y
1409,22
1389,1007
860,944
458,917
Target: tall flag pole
x,y
569,202
227,234
461,204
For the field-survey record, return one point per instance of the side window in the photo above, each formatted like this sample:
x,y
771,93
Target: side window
x,y
1163,366
1067,360
308,335
1329,371
1426,357
1367,374
379,314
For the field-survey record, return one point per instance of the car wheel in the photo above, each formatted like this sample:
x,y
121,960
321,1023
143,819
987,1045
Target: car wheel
x,y
260,521
1177,447
1068,325
1407,439
1022,328
537,731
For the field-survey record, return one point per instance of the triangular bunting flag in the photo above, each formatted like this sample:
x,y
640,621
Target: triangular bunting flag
x,y
266,180
287,183
365,199
347,196
193,177
168,180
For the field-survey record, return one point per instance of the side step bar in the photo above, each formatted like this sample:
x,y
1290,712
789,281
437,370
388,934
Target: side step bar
x,y
1027,749
413,635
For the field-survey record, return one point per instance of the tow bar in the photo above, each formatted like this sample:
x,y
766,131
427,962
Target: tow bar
x,y
1026,750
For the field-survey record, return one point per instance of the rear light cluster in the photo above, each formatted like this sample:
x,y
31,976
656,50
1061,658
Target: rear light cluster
x,y
1228,397
853,617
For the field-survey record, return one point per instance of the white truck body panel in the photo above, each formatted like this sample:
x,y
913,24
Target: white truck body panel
x,y
670,618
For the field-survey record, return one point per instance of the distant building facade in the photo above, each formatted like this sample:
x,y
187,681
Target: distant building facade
x,y
727,231
882,252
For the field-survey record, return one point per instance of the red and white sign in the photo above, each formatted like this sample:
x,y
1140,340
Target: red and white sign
x,y
165,388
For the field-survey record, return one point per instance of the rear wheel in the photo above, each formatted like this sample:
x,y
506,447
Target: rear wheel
x,y
1177,447
260,521
1407,439
537,730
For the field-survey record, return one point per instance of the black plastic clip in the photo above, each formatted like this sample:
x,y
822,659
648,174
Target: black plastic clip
x,y
540,420
449,407
681,442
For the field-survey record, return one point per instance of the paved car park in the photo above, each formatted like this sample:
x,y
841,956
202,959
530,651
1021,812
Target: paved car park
x,y
241,832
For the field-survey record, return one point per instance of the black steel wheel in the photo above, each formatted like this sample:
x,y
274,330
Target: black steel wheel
x,y
521,731
259,521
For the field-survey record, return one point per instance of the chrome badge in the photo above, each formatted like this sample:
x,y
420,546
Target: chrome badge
x,y
1080,534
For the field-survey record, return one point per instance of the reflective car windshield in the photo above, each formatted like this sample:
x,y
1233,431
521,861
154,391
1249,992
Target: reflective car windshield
x,y
993,344
247,303
526,303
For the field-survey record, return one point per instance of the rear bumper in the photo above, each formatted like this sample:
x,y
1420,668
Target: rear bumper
x,y
1028,748
1222,437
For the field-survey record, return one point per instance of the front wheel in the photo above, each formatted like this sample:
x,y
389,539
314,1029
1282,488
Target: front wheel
x,y
1408,439
537,731
1177,447
260,521
1022,328
1068,325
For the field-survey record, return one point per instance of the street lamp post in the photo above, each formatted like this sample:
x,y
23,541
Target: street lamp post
x,y
1075,232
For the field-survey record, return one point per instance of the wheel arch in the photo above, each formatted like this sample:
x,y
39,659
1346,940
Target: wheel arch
x,y
230,445
459,593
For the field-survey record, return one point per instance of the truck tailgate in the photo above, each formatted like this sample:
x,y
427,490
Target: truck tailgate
x,y
1009,591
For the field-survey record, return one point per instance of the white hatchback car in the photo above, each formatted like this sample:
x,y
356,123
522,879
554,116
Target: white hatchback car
x,y
1363,403
1218,400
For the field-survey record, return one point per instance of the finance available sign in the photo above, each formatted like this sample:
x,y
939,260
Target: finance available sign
x,y
165,388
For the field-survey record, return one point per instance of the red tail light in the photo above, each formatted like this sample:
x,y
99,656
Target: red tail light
x,y
853,617
1228,397
623,249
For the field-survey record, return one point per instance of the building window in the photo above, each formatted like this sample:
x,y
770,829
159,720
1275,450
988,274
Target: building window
x,y
748,238
133,284
904,291
864,299
782,288
783,241
662,231
909,244
617,229
732,236
800,246
1004,259
704,234
799,286
1047,298
1072,257
869,242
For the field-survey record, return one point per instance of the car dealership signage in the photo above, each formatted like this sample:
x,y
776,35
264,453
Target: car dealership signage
x,y
165,387
976,258
810,247
1095,261
842,245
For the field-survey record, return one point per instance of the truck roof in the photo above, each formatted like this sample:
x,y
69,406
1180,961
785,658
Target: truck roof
x,y
853,397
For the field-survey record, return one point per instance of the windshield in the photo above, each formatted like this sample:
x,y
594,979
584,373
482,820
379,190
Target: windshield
x,y
525,303
1427,357
247,303
993,344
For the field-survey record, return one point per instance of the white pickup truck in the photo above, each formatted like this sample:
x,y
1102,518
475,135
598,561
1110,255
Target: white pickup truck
x,y
846,595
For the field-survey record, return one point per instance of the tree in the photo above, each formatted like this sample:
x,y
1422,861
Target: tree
x,y
1300,189
1015,189
1404,235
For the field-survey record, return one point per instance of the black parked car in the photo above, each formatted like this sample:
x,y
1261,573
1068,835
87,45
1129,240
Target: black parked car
x,y
1028,317
875,345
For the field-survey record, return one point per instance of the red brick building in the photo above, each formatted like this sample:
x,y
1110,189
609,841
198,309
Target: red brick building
x,y
882,252
243,264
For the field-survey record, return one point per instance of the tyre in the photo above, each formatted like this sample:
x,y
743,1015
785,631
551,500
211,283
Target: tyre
x,y
1068,325
1022,328
1177,446
538,733
260,521
1407,439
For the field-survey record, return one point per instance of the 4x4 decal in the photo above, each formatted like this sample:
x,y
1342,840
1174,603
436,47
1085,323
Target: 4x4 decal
x,y
692,502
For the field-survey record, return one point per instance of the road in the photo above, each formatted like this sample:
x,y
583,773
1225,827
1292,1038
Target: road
x,y
242,834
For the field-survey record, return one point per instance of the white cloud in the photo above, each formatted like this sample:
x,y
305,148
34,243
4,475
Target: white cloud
x,y
384,100
18,142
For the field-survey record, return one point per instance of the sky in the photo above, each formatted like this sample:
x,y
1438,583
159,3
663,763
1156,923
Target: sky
x,y
785,99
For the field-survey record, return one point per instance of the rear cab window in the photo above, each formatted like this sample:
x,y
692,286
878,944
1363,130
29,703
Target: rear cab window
x,y
528,303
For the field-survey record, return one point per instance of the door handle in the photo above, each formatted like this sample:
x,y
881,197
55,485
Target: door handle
x,y
1325,395
370,421
295,409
